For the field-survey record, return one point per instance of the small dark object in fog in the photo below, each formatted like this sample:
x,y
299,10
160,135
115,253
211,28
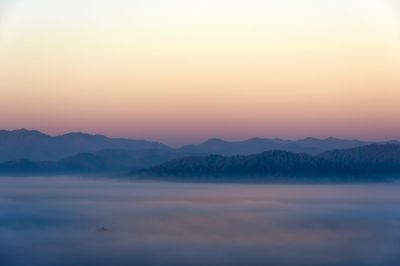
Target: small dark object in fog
x,y
103,229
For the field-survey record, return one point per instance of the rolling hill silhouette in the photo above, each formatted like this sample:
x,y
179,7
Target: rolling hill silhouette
x,y
370,160
27,152
36,146
258,145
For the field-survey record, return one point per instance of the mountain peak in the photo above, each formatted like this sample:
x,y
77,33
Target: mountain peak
x,y
214,141
25,132
311,139
255,139
21,130
332,139
81,134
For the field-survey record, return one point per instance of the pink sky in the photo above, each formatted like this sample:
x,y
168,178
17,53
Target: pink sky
x,y
185,71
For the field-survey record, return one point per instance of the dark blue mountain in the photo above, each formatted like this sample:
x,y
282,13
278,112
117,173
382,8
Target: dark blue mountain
x,y
380,157
135,159
370,160
103,161
258,145
36,146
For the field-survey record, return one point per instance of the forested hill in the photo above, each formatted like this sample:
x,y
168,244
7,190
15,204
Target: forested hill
x,y
368,160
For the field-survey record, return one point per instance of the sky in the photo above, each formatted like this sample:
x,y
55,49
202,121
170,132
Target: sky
x,y
182,71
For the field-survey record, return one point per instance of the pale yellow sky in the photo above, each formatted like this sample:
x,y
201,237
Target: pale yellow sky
x,y
182,71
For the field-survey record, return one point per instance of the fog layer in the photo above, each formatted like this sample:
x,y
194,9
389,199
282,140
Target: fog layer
x,y
71,221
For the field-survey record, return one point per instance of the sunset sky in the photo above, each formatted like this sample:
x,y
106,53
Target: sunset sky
x,y
182,71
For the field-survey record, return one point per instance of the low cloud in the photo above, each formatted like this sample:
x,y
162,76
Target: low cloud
x,y
54,222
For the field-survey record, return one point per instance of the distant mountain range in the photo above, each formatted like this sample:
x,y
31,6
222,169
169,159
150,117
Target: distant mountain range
x,y
375,160
36,146
103,161
370,160
24,152
258,145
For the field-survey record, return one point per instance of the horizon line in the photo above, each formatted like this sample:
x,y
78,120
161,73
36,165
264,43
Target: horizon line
x,y
197,143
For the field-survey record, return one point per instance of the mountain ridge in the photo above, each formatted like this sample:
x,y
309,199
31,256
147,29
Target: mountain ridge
x,y
369,160
309,145
107,161
37,146
119,154
365,161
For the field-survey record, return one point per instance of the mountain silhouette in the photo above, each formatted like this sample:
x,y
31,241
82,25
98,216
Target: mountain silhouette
x,y
258,145
36,146
372,160
375,156
368,160
103,161
24,152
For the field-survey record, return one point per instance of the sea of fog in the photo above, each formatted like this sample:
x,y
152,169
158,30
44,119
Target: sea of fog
x,y
71,221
